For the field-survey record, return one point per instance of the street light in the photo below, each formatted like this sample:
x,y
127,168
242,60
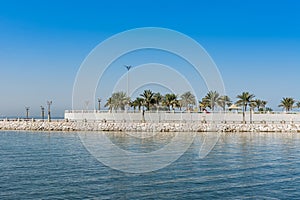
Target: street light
x,y
128,67
49,111
27,112
99,101
43,112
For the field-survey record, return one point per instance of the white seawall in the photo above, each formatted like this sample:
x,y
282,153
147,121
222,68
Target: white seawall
x,y
92,116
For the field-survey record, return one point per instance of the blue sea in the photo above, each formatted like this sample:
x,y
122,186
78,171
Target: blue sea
x,y
56,165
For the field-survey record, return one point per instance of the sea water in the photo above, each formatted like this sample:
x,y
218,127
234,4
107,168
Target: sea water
x,y
56,165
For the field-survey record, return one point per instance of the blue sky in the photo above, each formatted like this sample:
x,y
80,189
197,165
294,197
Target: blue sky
x,y
255,44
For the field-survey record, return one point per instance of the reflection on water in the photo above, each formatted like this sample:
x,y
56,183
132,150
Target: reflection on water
x,y
160,151
241,166
140,142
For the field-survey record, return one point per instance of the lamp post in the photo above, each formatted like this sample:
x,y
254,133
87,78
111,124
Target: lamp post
x,y
43,112
49,110
99,101
27,112
128,67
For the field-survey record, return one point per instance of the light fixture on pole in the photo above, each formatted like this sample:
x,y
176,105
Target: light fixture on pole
x,y
99,101
128,67
27,112
43,112
49,110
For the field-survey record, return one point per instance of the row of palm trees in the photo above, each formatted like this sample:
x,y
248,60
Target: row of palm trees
x,y
244,100
151,101
155,101
213,100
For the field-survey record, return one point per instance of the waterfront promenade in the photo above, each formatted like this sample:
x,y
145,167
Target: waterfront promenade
x,y
160,122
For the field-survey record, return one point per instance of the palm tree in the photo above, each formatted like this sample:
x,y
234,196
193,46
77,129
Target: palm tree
x,y
203,104
260,104
138,102
187,100
263,105
252,106
212,99
268,109
133,104
298,104
148,98
118,100
109,104
170,100
287,103
224,101
244,100
157,99
175,104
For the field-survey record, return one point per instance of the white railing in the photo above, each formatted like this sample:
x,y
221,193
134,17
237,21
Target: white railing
x,y
177,111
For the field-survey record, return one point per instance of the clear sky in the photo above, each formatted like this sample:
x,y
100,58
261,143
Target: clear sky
x,y
255,44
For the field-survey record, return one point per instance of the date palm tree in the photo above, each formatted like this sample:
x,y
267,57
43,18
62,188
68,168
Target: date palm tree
x,y
263,105
244,100
202,105
118,100
268,109
157,99
187,100
287,103
224,101
252,106
170,100
212,99
260,104
138,102
109,104
297,104
148,98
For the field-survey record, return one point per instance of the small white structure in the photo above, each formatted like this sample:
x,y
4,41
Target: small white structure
x,y
234,107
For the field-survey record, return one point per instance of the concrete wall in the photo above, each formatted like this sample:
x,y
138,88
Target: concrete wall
x,y
172,117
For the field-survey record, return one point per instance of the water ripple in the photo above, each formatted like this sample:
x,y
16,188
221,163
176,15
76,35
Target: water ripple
x,y
38,165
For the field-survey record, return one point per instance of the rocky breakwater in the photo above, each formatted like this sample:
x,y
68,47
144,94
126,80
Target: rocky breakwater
x,y
102,126
263,127
33,125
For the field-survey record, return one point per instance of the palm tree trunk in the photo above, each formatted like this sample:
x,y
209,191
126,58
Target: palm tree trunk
x,y
244,120
143,116
250,115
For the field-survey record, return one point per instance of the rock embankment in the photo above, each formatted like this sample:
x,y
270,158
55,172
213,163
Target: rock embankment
x,y
145,127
